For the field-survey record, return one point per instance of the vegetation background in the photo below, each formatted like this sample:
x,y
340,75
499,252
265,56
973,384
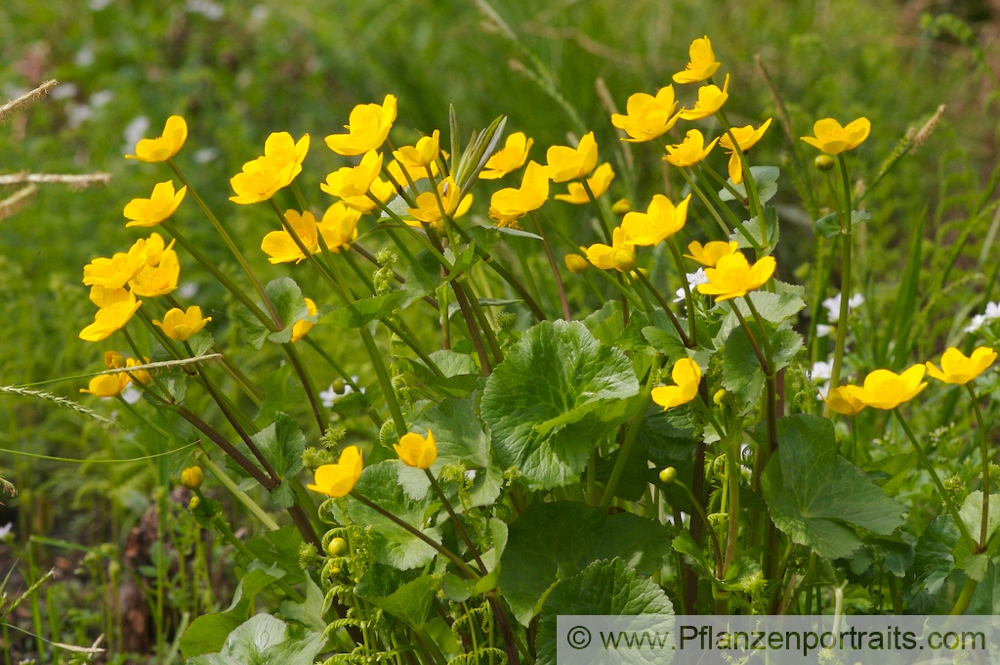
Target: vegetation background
x,y
238,71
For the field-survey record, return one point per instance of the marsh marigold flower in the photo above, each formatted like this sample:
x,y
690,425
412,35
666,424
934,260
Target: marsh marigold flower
x,y
428,210
259,180
512,203
115,272
884,389
417,451
422,155
687,375
958,369
710,100
338,479
833,139
843,401
140,375
691,150
710,254
404,174
280,247
381,190
301,327
566,163
180,325
733,276
660,221
112,317
575,263
647,117
192,477
367,128
283,150
598,183
620,256
702,64
158,280
509,158
158,207
351,181
107,385
339,226
746,138
164,146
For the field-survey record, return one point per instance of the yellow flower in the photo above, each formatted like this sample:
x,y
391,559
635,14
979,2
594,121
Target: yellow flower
x,y
710,254
339,226
416,451
368,128
732,276
303,326
575,263
710,100
107,385
404,174
833,139
140,375
647,116
164,146
192,477
702,64
566,163
959,370
103,297
260,179
687,375
887,390
115,272
509,158
282,150
111,318
179,325
160,279
338,479
660,221
513,203
155,247
428,210
620,256
691,150
158,207
380,189
842,400
422,155
280,247
746,138
598,184
354,180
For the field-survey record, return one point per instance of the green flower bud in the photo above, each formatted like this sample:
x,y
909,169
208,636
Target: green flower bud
x,y
667,475
621,207
624,260
192,477
194,503
823,162
336,547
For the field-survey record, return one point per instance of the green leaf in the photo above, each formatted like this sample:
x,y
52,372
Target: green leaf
x,y
741,371
392,544
423,276
972,514
209,632
774,306
457,589
461,372
282,444
266,639
364,311
254,332
933,563
289,303
309,612
552,541
828,226
604,588
766,179
752,228
558,392
279,548
484,302
412,602
816,496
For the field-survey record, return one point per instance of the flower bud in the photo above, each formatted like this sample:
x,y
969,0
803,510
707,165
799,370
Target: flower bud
x,y
576,263
336,547
192,477
621,207
624,260
194,503
721,397
823,162
667,475
338,386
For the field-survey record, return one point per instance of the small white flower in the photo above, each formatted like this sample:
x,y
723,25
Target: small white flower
x,y
992,312
84,57
65,91
693,280
329,396
188,290
135,130
821,371
210,10
131,394
822,330
833,305
101,98
5,530
205,155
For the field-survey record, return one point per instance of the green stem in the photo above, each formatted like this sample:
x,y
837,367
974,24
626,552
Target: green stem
x,y
240,495
962,602
688,297
685,340
708,525
560,287
984,452
922,455
845,280
459,527
384,381
605,226
630,437
240,547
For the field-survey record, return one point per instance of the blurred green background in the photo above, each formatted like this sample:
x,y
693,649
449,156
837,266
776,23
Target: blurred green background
x,y
238,71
